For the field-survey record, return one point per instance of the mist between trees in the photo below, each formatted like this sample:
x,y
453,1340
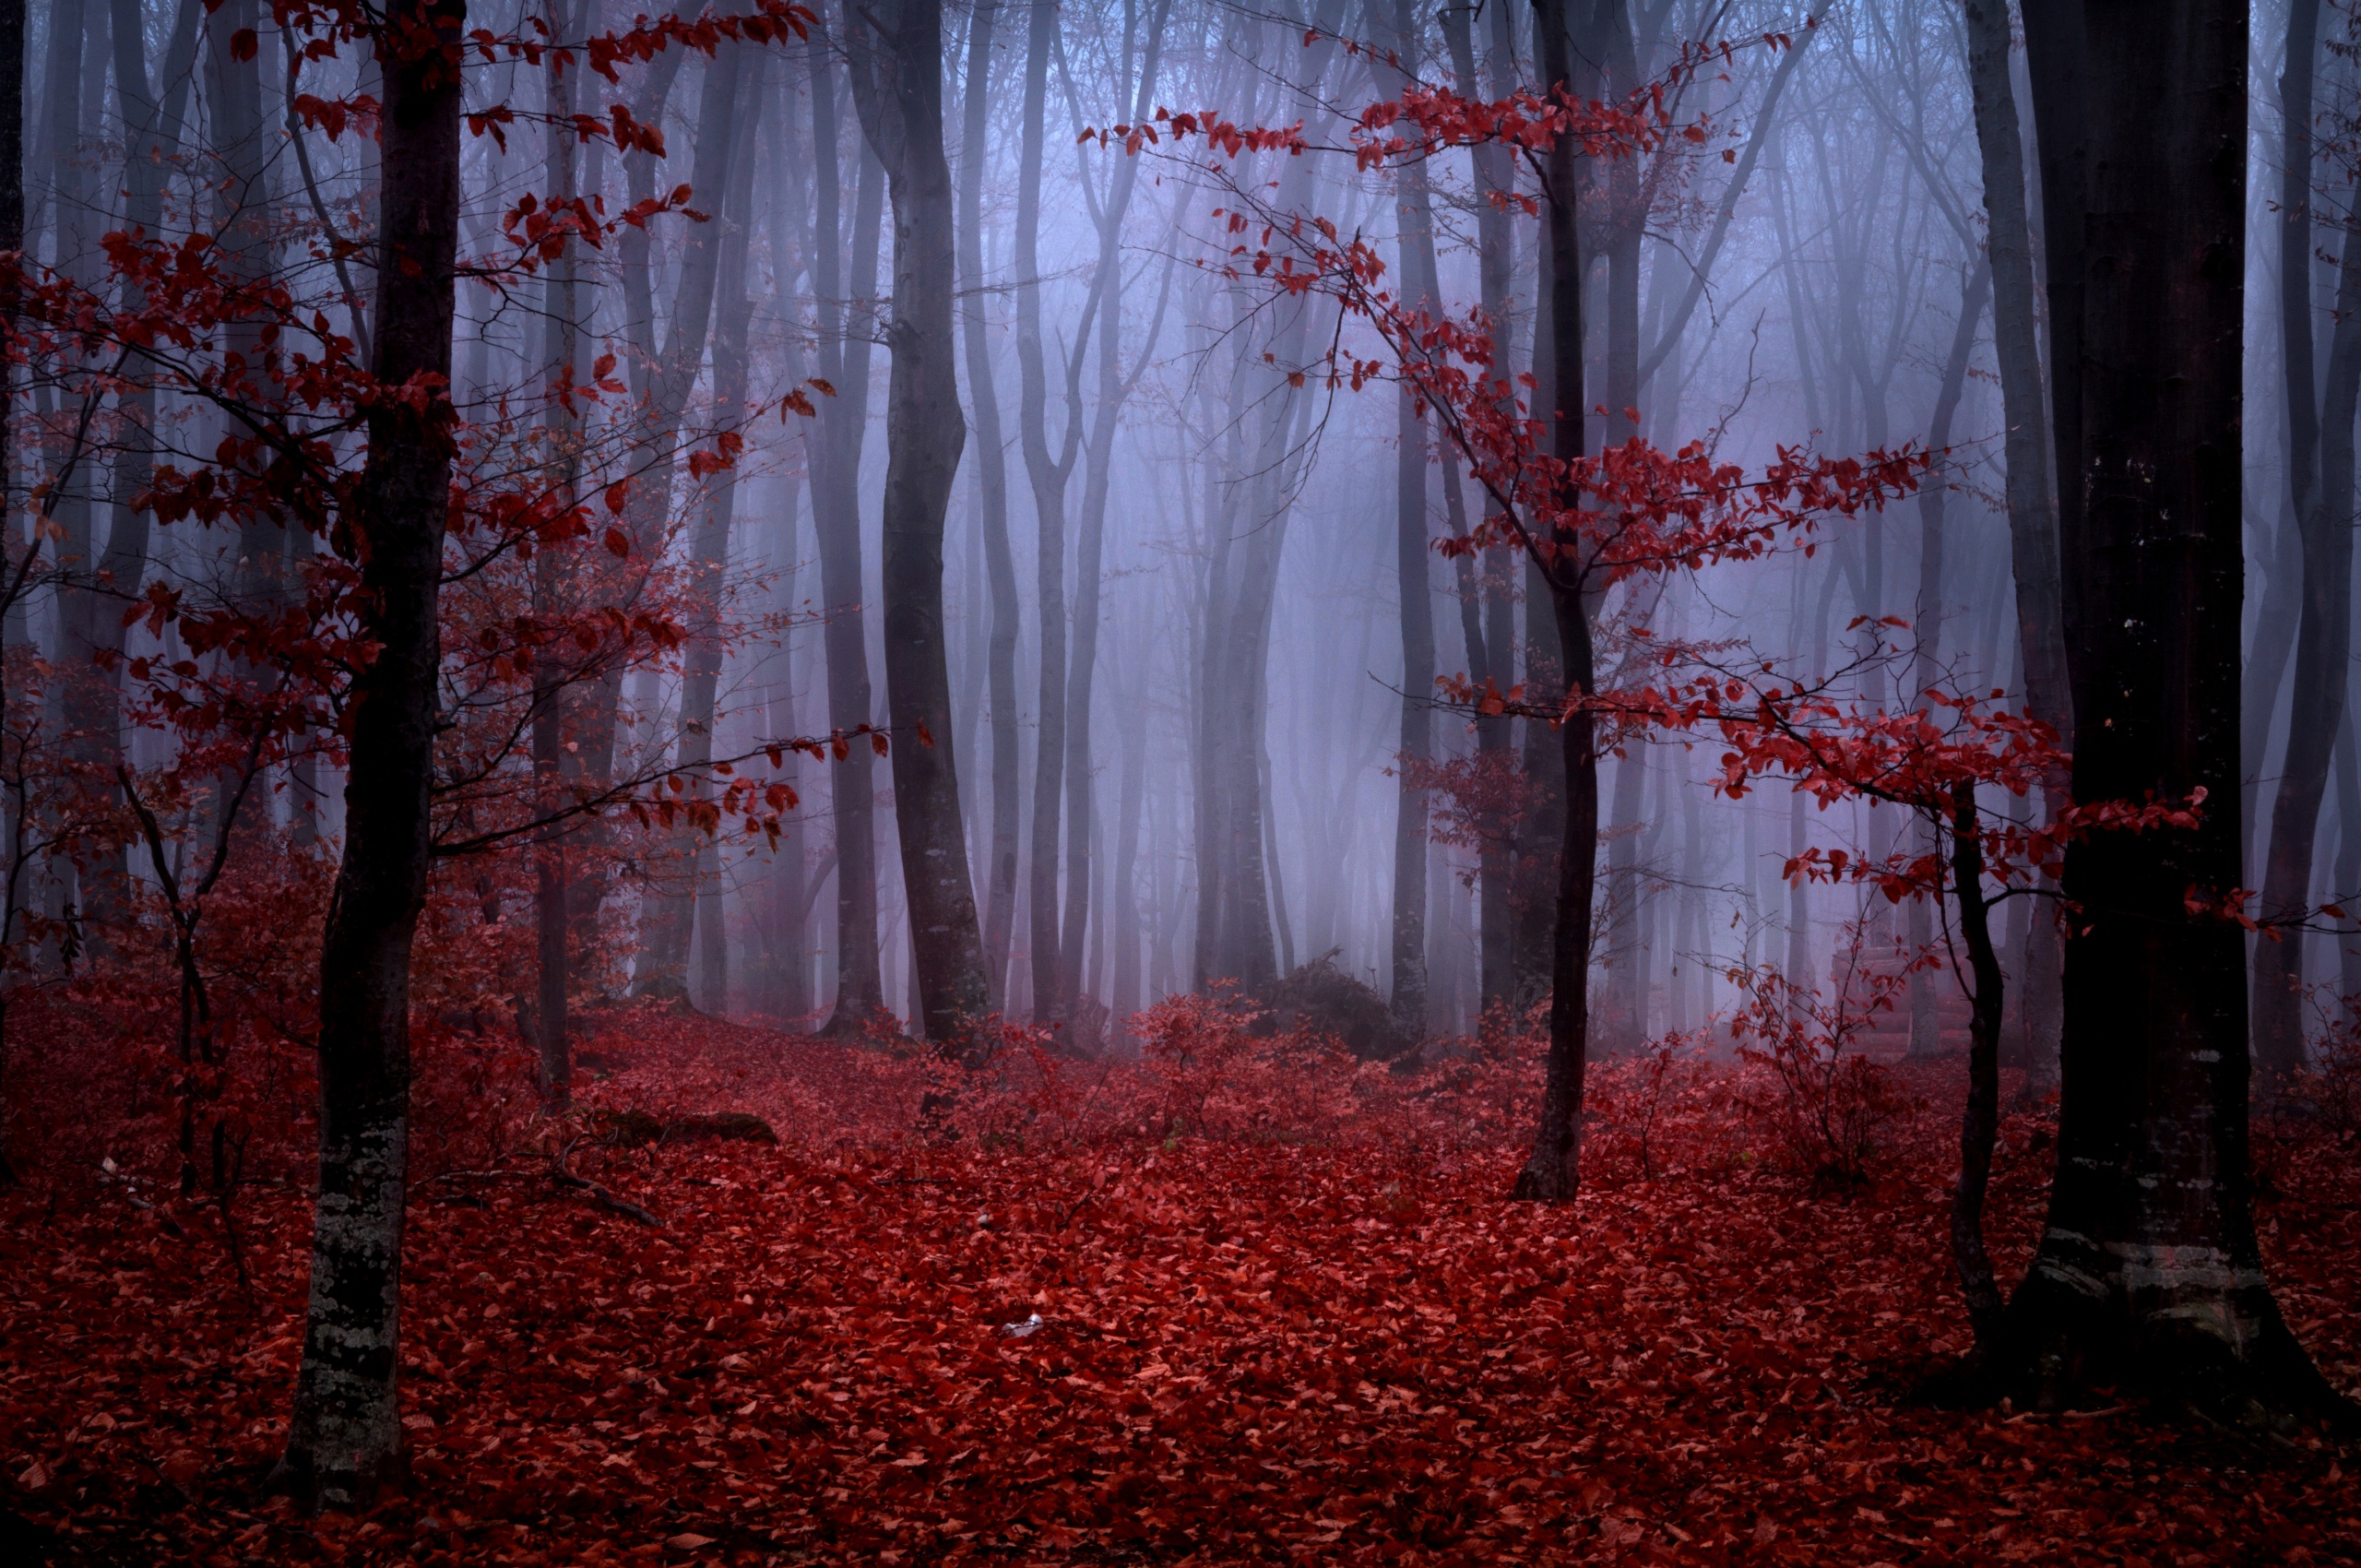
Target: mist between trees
x,y
1444,523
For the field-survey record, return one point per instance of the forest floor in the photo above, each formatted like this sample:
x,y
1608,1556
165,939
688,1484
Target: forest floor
x,y
1094,1350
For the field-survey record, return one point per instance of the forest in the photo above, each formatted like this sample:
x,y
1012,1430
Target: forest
x,y
1100,781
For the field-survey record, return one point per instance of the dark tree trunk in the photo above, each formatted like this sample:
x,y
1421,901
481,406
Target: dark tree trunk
x,y
12,258
1553,1172
344,1435
1979,1122
1533,871
563,306
845,341
1000,566
898,89
2148,1273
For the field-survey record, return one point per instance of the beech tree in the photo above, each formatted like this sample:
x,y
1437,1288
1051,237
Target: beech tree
x,y
344,1436
2149,1271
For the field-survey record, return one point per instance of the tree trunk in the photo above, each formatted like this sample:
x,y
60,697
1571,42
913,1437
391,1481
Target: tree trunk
x,y
1409,994
154,143
899,95
1123,988
1000,904
12,262
713,281
2324,637
563,306
2148,1273
2284,600
1494,172
1927,662
1114,388
344,1435
835,461
1049,474
2348,870
1552,1174
668,907
1979,1122
1412,582
1534,872
2033,520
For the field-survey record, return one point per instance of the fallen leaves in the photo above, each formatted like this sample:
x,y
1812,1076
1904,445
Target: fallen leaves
x,y
1238,1350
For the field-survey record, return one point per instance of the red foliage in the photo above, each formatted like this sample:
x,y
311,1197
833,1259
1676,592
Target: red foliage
x,y
1083,1343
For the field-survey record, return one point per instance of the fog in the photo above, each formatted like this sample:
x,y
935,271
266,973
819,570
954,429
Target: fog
x,y
1163,499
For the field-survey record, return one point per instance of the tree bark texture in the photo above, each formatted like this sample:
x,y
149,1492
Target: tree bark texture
x,y
898,90
1552,1173
344,1435
2148,1273
561,305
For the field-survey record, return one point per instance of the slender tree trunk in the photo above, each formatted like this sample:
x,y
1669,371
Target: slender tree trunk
x,y
154,134
835,462
669,906
1123,892
599,724
1927,662
1494,174
899,94
999,905
714,283
2284,599
1409,997
2324,637
1979,1122
344,1435
1534,872
12,262
2033,520
563,306
1553,1172
2148,1273
1412,583
2348,867
2275,622
1049,472
1114,388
